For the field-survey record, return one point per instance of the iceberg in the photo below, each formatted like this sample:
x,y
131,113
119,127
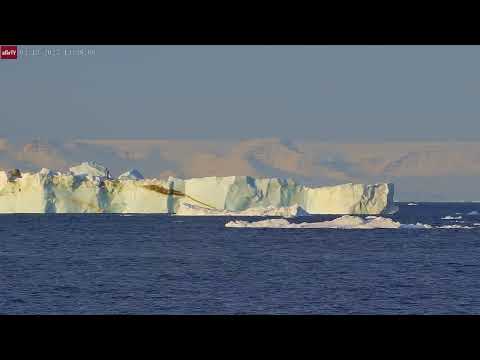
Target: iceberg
x,y
343,222
88,188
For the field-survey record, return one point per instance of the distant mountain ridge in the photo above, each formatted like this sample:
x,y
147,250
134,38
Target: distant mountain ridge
x,y
422,171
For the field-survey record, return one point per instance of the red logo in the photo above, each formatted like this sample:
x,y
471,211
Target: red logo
x,y
8,52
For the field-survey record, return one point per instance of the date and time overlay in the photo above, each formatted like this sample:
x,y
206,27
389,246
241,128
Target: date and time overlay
x,y
14,52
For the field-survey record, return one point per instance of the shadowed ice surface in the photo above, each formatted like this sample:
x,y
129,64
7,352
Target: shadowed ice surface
x,y
145,264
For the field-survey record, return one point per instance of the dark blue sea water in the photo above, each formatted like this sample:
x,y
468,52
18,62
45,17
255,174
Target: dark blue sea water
x,y
144,264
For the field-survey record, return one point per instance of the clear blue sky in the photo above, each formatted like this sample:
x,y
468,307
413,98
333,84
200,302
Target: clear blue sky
x,y
340,93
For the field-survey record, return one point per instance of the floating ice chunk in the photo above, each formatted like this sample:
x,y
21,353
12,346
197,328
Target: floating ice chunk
x,y
133,174
454,227
343,222
416,226
271,223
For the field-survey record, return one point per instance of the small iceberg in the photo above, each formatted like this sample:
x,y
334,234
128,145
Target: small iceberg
x,y
343,222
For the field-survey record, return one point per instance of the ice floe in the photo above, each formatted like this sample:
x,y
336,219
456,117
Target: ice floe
x,y
343,222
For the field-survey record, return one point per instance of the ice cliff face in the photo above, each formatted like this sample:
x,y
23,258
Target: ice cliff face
x,y
84,192
187,209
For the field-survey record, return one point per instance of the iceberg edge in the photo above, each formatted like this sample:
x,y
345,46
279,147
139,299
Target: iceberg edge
x,y
83,192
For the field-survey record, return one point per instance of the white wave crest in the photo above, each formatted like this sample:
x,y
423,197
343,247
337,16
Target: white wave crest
x,y
448,217
474,212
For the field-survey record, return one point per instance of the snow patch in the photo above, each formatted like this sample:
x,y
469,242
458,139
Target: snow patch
x,y
89,168
133,174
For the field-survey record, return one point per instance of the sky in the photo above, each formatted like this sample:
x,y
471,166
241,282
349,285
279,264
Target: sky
x,y
337,93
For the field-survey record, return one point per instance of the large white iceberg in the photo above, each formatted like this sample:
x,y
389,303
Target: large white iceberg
x,y
88,189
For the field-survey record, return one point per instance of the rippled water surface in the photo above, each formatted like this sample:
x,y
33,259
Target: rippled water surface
x,y
157,264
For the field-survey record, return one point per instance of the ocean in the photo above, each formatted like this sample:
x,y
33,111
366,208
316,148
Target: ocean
x,y
160,264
